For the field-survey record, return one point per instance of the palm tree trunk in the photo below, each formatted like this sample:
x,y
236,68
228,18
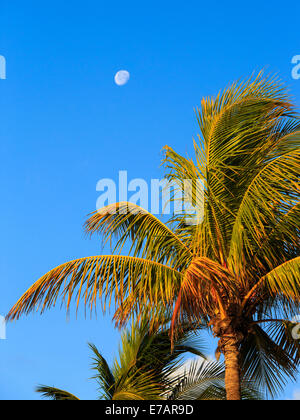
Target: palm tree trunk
x,y
232,368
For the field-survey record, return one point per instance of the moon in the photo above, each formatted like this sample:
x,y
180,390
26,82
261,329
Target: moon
x,y
122,77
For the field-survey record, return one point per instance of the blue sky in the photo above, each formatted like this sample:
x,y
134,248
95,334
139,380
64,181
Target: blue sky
x,y
65,125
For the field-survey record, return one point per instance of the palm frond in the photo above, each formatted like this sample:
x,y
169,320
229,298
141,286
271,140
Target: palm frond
x,y
150,351
149,237
205,380
103,277
137,385
258,86
55,394
202,380
265,363
283,280
103,376
276,186
281,333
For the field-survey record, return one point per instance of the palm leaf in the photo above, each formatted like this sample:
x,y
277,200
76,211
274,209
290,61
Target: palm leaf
x,y
100,277
283,280
55,394
202,380
265,363
104,375
151,239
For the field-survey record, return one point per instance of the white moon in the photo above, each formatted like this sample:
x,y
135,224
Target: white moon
x,y
122,77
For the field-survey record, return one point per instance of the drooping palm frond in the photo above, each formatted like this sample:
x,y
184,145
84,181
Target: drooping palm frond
x,y
55,394
105,276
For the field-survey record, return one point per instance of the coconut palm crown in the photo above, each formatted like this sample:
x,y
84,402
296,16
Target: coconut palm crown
x,y
237,270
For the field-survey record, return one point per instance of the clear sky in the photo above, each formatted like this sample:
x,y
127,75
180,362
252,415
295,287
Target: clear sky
x,y
65,124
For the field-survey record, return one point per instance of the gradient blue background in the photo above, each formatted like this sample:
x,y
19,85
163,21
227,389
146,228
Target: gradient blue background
x,y
64,124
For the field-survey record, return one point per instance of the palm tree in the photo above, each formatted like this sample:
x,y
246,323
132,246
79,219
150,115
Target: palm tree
x,y
237,270
147,369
